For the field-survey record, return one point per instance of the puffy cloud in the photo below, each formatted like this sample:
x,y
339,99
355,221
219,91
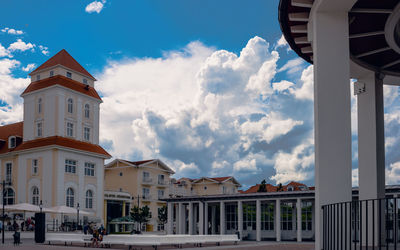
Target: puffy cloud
x,y
293,66
44,50
12,31
29,67
95,6
281,43
20,45
3,51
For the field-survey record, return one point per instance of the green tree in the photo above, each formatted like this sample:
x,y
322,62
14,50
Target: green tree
x,y
140,215
263,186
163,215
280,187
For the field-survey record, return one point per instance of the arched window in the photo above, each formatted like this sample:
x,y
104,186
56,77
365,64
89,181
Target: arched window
x,y
87,111
70,105
9,196
89,199
70,197
35,196
40,105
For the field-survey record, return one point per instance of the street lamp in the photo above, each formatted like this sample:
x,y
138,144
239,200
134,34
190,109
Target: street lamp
x,y
4,183
77,217
41,206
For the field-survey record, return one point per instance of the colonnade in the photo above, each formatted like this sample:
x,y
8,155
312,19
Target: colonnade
x,y
191,217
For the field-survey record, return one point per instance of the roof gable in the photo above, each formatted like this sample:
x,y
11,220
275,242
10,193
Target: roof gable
x,y
65,59
14,129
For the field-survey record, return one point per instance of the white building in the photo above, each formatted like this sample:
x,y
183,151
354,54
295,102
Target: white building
x,y
54,155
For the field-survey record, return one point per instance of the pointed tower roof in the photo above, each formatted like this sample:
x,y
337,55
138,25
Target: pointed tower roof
x,y
65,59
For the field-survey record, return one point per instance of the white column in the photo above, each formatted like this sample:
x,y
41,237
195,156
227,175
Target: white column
x,y
205,218
332,121
213,217
181,227
170,220
176,207
299,222
258,220
222,217
278,219
191,218
201,218
240,218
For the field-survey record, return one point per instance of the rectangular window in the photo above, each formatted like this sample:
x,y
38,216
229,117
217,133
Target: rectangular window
x,y
146,177
249,216
35,166
37,77
146,193
86,133
8,172
39,129
84,80
231,214
306,214
223,189
89,169
70,129
161,179
51,73
160,194
69,75
287,216
267,216
70,166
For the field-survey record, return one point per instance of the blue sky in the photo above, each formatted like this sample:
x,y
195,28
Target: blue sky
x,y
209,87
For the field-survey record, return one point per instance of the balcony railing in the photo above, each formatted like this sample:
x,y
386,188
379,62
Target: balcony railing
x,y
162,182
361,224
147,180
146,197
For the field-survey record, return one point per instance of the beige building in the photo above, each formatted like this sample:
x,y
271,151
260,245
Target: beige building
x,y
141,183
53,156
204,186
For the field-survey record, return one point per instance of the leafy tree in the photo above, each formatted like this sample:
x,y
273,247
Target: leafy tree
x,y
140,215
163,215
262,187
280,187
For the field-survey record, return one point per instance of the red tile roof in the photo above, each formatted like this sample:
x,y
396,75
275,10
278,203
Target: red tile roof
x,y
65,59
139,162
220,179
272,188
6,131
62,81
17,129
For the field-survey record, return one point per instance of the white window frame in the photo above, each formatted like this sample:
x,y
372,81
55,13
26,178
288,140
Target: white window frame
x,y
39,129
89,169
35,166
9,171
86,133
146,192
37,77
89,199
68,74
70,197
87,110
70,129
7,196
51,73
70,166
35,195
160,194
40,105
12,142
70,105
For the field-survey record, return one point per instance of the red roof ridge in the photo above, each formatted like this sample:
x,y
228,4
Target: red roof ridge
x,y
62,81
65,59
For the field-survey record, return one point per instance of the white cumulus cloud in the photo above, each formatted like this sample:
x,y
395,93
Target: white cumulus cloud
x,y
20,45
95,6
12,31
29,67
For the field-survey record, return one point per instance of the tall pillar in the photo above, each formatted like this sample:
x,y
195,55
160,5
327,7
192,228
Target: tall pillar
x,y
191,218
182,221
258,220
123,209
213,217
240,219
170,219
299,221
332,120
222,217
201,218
278,219
205,218
176,207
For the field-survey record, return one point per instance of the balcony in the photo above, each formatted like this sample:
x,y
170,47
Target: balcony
x,y
146,197
147,181
162,183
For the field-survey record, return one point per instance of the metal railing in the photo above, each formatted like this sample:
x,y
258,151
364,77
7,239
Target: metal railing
x,y
361,224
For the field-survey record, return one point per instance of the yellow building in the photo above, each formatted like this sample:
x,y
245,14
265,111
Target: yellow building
x,y
204,186
141,183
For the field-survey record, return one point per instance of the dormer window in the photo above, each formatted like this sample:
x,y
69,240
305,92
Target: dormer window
x,y
40,105
51,73
12,142
84,80
290,188
37,77
69,75
70,104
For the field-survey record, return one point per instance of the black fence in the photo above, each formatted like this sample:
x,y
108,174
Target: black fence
x,y
361,224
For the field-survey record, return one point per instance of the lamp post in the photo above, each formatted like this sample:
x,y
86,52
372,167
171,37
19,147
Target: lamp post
x,y
41,206
4,183
77,217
